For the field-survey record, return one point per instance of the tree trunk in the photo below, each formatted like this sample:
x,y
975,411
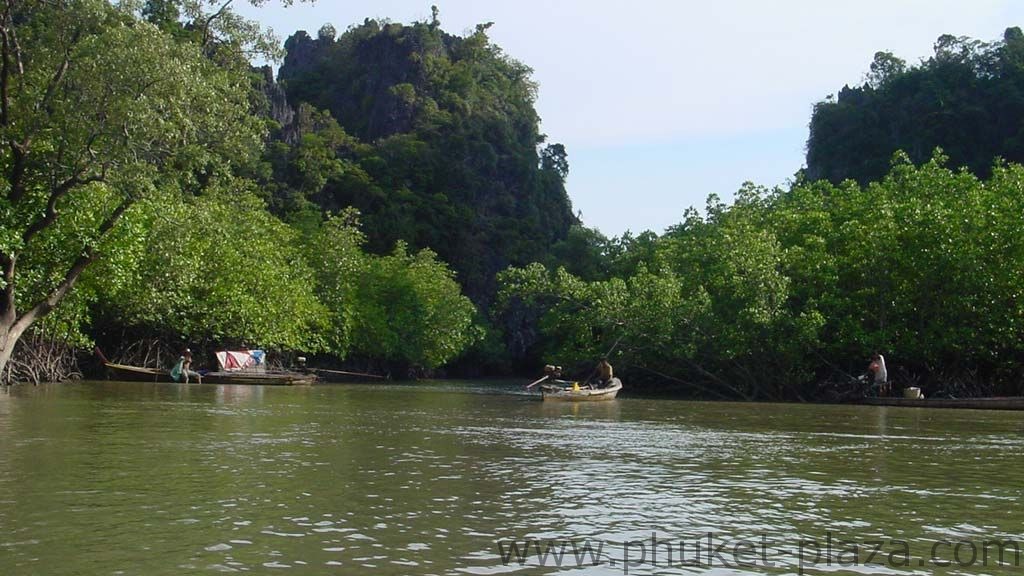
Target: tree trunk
x,y
10,332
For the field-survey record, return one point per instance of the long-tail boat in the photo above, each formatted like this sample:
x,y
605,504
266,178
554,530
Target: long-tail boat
x,y
128,373
988,403
240,368
564,391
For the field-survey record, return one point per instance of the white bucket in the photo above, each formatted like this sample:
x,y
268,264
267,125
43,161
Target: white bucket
x,y
912,393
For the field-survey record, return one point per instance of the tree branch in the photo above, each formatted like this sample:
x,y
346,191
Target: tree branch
x,y
58,76
10,64
17,175
11,48
51,301
5,70
19,151
715,378
12,36
209,21
59,192
7,303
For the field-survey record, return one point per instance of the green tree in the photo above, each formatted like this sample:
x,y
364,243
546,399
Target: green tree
x,y
584,253
967,99
410,311
338,260
213,269
223,35
446,151
97,109
406,310
884,68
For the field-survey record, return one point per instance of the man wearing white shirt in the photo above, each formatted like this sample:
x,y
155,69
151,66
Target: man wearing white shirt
x,y
877,367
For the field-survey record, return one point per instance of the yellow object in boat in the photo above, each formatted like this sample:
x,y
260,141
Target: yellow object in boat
x,y
575,386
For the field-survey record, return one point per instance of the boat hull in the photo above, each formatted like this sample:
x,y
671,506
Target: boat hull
x,y
1006,403
126,373
583,394
260,378
345,377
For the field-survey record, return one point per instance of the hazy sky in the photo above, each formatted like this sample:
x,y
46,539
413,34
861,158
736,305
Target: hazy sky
x,y
660,103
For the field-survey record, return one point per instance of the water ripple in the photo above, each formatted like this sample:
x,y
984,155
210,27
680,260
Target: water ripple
x,y
162,479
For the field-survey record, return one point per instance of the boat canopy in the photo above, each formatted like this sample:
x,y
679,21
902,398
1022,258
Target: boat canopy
x,y
242,360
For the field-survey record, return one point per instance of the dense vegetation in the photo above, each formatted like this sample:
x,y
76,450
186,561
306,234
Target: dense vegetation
x,y
432,137
130,134
155,187
90,126
967,99
901,236
785,293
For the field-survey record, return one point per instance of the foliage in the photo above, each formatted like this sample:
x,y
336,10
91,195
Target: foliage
x,y
787,289
338,261
443,152
924,262
967,99
128,145
98,110
144,188
410,310
224,35
216,269
403,309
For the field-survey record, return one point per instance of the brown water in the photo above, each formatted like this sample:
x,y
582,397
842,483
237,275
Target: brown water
x,y
118,478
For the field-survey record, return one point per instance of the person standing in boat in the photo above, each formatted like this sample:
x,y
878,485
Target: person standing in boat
x,y
605,373
879,373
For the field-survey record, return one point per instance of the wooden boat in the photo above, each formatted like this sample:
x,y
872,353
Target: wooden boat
x,y
997,403
260,378
564,391
345,376
249,368
128,373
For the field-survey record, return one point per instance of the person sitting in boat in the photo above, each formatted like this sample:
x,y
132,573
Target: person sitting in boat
x,y
182,371
880,376
604,373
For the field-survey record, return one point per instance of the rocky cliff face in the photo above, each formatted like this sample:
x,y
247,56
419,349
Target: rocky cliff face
x,y
448,156
375,80
277,107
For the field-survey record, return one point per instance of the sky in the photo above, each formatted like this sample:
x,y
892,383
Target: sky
x,y
661,103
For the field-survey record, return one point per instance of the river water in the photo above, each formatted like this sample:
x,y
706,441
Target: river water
x,y
463,478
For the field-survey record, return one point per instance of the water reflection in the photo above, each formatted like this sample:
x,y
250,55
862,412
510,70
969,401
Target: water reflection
x,y
238,394
584,410
164,479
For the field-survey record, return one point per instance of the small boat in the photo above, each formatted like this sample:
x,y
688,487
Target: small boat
x,y
564,391
249,367
994,403
282,378
128,373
